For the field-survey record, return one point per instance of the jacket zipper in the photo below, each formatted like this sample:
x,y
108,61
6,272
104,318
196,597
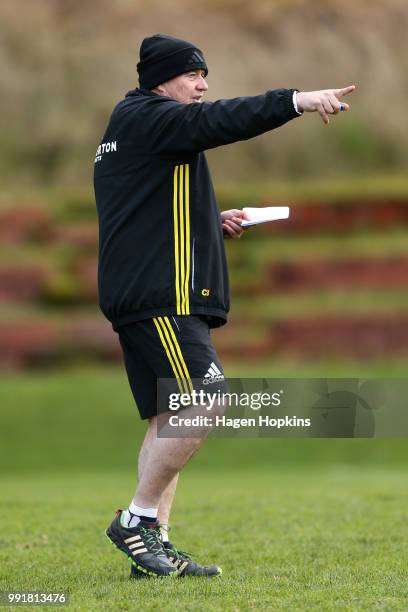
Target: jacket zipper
x,y
175,323
193,266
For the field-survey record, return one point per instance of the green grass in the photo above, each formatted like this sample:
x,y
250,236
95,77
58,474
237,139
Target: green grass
x,y
340,188
258,308
295,524
62,420
259,249
286,539
255,248
31,253
392,367
79,203
321,303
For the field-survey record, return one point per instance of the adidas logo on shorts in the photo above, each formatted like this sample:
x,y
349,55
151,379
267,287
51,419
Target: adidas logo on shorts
x,y
213,375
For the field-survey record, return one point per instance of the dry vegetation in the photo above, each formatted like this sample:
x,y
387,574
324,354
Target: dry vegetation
x,y
65,63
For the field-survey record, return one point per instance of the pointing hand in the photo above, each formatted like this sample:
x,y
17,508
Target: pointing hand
x,y
325,102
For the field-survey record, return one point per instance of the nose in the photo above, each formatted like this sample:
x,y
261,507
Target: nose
x,y
202,84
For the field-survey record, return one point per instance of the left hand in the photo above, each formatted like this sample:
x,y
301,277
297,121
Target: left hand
x,y
231,223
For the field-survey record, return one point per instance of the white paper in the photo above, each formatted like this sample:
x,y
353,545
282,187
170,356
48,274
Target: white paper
x,y
264,214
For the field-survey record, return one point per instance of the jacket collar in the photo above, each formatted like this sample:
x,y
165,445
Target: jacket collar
x,y
140,92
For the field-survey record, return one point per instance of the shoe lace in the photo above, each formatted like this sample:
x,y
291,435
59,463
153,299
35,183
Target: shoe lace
x,y
151,537
181,554
176,552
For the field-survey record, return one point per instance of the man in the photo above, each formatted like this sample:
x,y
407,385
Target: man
x,y
163,279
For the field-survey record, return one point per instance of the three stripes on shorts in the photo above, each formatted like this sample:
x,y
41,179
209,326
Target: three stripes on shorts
x,y
173,351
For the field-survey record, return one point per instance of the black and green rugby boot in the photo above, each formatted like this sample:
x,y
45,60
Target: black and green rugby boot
x,y
183,564
143,546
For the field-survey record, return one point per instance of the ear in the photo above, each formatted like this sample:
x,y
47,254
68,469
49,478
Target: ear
x,y
159,90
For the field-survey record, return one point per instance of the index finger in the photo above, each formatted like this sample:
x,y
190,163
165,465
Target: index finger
x,y
339,93
238,213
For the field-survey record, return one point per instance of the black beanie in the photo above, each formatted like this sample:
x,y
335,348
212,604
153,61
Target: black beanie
x,y
165,57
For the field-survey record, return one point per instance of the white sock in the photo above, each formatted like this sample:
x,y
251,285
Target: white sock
x,y
131,517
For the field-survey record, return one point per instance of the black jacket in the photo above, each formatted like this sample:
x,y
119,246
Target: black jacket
x,y
161,249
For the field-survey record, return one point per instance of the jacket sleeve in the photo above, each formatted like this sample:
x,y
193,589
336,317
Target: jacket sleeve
x,y
169,127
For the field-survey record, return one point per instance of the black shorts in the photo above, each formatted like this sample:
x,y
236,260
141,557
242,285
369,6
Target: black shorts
x,y
168,347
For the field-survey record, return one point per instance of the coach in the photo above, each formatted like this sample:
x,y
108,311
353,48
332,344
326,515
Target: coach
x,y
163,280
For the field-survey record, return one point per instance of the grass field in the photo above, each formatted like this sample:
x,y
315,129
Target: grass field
x,y
295,524
286,539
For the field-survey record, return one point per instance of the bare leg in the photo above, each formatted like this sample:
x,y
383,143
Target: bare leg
x,y
166,503
160,462
166,500
165,459
145,448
